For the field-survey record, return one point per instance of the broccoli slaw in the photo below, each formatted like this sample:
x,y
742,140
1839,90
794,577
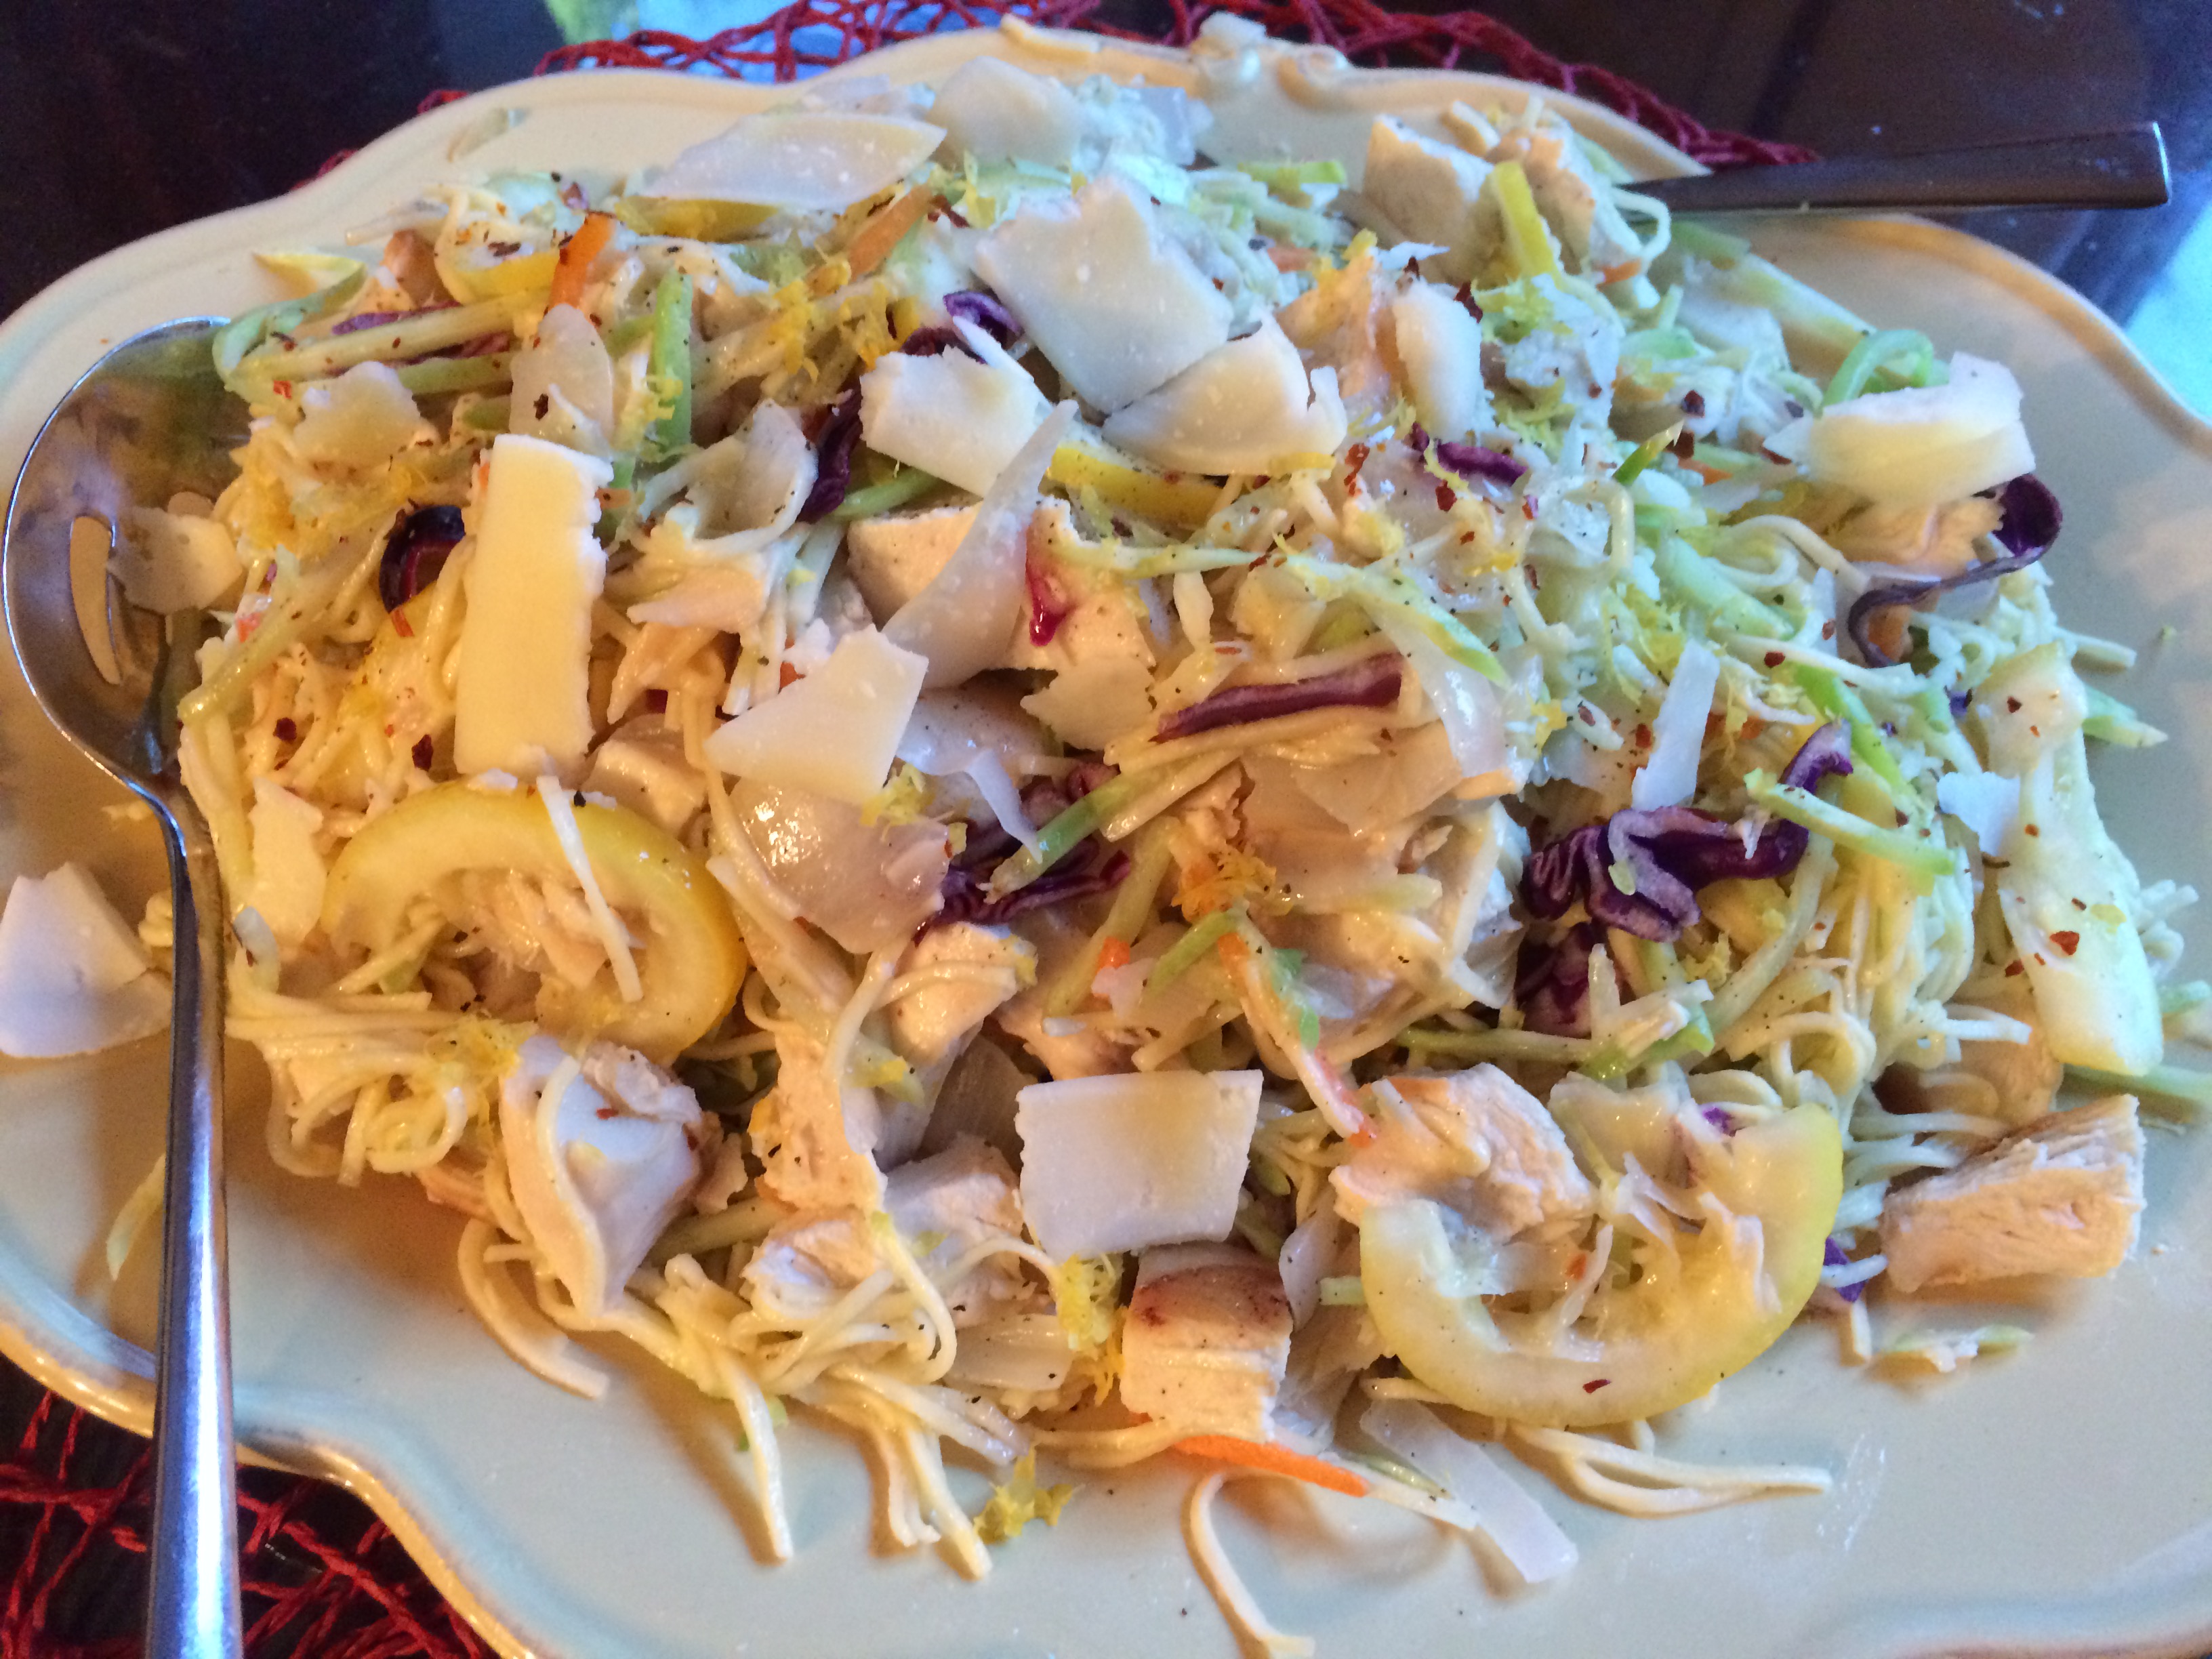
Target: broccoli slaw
x,y
1234,877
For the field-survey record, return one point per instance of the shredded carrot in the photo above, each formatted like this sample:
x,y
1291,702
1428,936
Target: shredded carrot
x,y
1709,474
872,243
1274,1459
576,255
1114,953
1621,272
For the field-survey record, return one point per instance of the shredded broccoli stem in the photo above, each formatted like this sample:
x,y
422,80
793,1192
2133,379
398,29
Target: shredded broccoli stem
x,y
1499,1043
2175,1084
1133,904
1839,703
1911,352
1928,857
413,336
895,492
238,337
1061,836
1185,952
668,367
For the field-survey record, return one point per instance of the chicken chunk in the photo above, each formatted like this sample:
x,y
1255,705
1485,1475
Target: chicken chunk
x,y
960,1198
1207,1336
646,771
2060,1196
930,1026
601,1154
943,1206
1478,1142
816,1137
1429,189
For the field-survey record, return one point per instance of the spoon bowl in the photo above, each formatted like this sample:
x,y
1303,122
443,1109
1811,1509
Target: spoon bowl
x,y
150,420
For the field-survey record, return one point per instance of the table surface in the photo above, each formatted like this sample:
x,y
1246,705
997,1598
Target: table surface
x,y
118,121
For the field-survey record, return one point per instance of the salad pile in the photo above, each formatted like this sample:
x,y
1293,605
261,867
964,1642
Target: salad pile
x,y
967,770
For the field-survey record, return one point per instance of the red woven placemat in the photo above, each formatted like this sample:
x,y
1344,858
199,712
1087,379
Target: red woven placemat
x,y
323,1576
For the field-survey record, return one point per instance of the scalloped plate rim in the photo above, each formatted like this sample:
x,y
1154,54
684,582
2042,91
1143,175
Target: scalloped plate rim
x,y
65,1350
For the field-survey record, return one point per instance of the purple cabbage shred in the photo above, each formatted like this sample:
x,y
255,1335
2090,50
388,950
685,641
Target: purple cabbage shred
x,y
1671,852
1551,984
833,458
378,319
1371,683
2029,524
1091,866
972,305
1832,1255
416,551
1470,461
937,337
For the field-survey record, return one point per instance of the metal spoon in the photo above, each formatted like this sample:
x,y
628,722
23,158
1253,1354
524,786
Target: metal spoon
x,y
151,419
2121,169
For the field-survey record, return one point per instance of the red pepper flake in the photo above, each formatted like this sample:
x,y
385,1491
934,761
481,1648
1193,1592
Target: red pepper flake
x,y
2012,705
2070,941
788,675
1901,819
2034,730
1775,659
1536,581
1643,736
1529,506
1466,297
422,752
1596,1383
2015,966
1446,497
1354,458
2077,904
1114,953
1827,630
282,388
287,730
1694,403
401,626
1582,713
545,403
2033,831
606,1112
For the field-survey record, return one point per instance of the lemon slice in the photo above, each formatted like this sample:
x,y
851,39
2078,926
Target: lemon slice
x,y
1661,1341
690,959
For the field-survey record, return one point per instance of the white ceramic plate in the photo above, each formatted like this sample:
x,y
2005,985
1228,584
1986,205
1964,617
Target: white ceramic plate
x,y
2059,1500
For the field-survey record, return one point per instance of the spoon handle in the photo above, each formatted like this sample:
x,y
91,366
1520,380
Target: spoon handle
x,y
2119,169
192,1610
